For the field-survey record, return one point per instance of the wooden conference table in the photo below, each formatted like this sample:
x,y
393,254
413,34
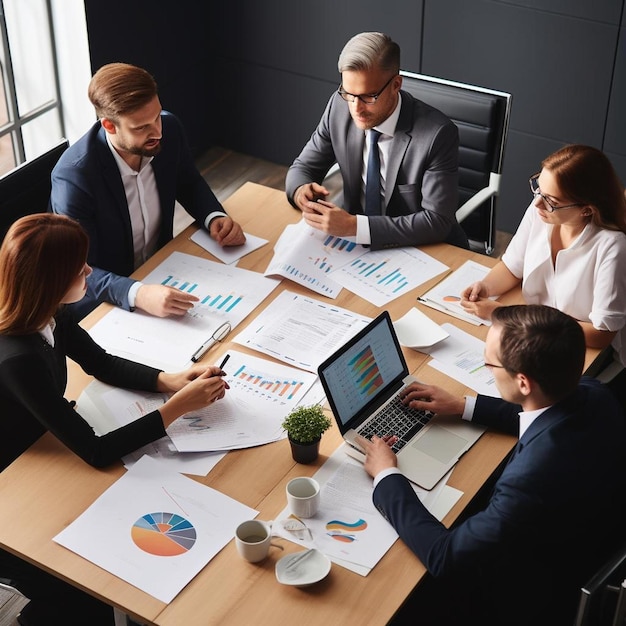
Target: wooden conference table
x,y
48,487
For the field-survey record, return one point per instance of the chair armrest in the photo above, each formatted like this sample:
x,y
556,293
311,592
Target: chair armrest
x,y
493,189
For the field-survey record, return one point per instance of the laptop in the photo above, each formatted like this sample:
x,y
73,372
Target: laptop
x,y
363,380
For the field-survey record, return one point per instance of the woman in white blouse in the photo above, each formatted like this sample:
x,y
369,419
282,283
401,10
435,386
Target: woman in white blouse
x,y
569,251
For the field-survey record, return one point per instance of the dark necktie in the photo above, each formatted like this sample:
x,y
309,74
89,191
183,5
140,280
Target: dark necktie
x,y
372,181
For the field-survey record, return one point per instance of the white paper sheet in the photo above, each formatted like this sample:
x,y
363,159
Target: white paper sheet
x,y
381,276
227,294
301,331
461,356
446,295
230,254
417,331
347,527
261,395
155,529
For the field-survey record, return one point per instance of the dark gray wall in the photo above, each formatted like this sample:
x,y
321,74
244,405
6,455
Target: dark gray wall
x,y
255,75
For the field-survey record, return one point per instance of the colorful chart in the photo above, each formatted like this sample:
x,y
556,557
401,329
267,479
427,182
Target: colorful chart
x,y
271,385
364,367
220,302
345,531
163,534
378,273
338,244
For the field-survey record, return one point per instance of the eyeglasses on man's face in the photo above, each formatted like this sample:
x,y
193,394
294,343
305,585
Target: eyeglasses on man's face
x,y
365,98
492,366
550,206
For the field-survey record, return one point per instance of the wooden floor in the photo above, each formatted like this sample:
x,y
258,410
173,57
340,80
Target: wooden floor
x,y
225,171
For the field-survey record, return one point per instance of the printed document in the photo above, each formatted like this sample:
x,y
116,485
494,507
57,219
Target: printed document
x,y
227,294
301,331
155,528
446,295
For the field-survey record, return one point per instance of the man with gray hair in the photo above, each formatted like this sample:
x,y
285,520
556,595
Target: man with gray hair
x,y
398,157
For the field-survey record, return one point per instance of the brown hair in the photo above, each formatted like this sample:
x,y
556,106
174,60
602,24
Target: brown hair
x,y
543,343
585,176
119,88
40,257
366,51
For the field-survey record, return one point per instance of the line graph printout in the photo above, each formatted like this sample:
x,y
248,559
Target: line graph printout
x,y
226,294
380,276
261,395
308,257
301,331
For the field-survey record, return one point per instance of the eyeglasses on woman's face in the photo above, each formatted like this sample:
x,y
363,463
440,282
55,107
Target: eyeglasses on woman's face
x,y
549,204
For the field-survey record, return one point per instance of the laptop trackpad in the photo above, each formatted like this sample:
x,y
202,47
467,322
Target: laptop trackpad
x,y
440,444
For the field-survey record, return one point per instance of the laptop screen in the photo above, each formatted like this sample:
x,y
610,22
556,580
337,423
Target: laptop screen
x,y
364,372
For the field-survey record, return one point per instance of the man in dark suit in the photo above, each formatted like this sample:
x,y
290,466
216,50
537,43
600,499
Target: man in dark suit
x,y
414,147
555,511
121,181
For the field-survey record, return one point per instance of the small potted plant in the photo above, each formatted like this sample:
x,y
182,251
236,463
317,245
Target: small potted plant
x,y
304,426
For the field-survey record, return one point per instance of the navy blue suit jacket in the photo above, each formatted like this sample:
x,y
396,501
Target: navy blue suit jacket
x,y
87,186
553,513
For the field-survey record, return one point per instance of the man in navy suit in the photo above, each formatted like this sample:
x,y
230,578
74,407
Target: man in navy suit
x,y
555,510
121,181
416,157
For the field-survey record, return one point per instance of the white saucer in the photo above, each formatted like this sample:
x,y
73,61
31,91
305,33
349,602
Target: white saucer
x,y
303,568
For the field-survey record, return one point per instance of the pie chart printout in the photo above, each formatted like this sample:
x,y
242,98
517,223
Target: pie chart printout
x,y
163,534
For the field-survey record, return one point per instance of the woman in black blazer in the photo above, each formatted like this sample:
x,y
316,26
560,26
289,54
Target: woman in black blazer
x,y
42,267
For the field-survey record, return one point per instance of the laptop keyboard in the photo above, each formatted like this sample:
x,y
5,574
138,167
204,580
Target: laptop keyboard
x,y
399,420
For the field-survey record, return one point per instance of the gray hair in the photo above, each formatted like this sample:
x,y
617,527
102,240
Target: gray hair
x,y
368,50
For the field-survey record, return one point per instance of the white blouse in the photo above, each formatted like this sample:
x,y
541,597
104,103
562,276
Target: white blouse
x,y
587,281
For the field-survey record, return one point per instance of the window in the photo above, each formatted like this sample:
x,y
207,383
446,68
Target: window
x,y
30,107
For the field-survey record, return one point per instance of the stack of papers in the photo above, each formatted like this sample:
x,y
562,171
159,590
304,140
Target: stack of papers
x,y
325,264
261,395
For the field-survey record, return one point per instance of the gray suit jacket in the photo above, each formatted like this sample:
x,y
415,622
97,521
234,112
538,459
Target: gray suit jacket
x,y
421,189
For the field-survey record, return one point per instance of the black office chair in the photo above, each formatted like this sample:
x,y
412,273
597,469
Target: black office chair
x,y
26,189
603,598
482,117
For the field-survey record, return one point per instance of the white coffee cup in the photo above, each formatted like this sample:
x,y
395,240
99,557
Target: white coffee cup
x,y
253,540
303,496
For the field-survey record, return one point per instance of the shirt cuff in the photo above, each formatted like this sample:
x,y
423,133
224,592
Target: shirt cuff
x,y
468,411
211,216
363,235
132,294
384,473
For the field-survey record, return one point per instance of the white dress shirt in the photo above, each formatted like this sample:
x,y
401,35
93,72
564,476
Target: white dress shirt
x,y
587,281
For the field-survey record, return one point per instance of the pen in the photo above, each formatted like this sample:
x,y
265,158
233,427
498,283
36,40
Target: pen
x,y
216,337
224,361
203,349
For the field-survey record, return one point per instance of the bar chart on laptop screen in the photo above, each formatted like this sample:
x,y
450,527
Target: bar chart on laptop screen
x,y
367,376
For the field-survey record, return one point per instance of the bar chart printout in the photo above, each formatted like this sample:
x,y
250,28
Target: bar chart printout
x,y
380,276
225,294
308,257
260,395
273,387
219,302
